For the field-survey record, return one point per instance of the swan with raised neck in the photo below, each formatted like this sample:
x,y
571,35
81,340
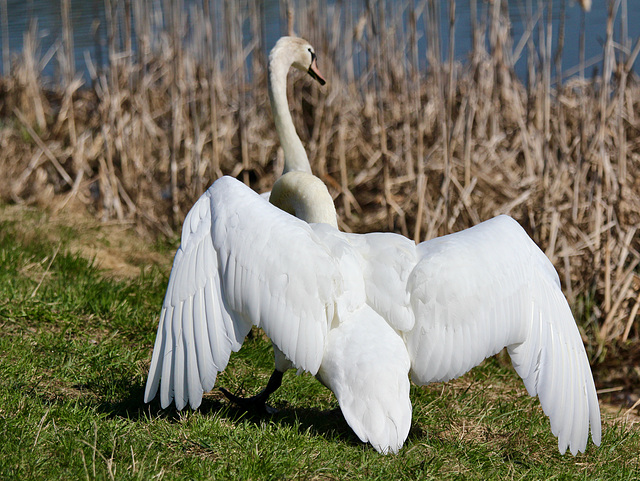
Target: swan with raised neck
x,y
298,53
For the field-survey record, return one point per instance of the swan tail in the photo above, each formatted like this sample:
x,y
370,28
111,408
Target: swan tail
x,y
366,365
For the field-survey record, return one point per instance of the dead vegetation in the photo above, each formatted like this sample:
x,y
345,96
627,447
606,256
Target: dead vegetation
x,y
421,151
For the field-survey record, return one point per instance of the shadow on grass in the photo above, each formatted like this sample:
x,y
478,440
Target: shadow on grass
x,y
329,424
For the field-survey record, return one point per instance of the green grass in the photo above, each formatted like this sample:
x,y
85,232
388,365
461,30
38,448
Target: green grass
x,y
75,344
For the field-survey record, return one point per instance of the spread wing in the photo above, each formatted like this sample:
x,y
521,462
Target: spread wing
x,y
489,287
461,298
241,262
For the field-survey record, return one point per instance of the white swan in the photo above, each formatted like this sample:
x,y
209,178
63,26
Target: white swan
x,y
361,312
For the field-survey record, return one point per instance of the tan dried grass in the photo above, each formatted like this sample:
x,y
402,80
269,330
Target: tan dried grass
x,y
419,153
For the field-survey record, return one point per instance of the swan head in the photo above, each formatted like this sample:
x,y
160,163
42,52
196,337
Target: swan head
x,y
298,53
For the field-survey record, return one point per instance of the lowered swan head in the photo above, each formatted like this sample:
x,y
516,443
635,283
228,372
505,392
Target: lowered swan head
x,y
298,53
306,197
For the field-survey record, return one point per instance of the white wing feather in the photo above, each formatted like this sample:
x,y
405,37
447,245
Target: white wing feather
x,y
241,261
387,261
322,297
489,287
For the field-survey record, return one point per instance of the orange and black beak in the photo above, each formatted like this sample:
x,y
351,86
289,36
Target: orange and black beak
x,y
314,72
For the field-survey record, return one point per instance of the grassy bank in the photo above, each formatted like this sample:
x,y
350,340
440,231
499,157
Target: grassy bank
x,y
75,348
420,151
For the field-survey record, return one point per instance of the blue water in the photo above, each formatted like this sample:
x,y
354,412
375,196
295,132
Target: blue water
x,y
89,31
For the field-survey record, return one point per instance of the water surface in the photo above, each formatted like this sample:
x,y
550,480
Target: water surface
x,y
90,36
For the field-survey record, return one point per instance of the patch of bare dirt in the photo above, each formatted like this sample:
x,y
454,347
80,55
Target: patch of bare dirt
x,y
116,247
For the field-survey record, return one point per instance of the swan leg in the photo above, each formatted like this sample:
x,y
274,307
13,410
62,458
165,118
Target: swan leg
x,y
258,404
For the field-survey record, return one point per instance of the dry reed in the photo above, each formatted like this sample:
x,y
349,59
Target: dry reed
x,y
420,151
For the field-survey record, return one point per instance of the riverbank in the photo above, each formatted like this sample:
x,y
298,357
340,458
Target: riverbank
x,y
419,153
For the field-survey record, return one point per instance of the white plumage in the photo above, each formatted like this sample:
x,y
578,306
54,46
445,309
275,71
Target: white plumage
x,y
362,312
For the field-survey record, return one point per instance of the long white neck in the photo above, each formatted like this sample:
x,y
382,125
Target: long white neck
x,y
295,157
305,196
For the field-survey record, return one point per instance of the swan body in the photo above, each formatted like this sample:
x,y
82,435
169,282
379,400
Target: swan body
x,y
363,313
